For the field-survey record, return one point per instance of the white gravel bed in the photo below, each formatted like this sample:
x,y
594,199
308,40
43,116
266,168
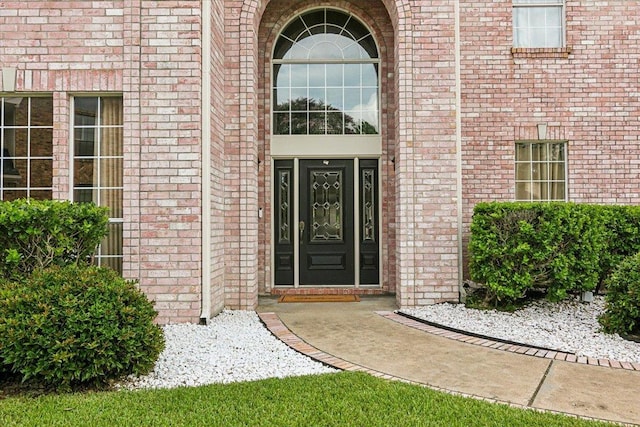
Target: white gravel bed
x,y
569,326
235,346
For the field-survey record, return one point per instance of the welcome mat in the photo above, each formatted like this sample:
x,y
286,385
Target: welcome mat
x,y
319,298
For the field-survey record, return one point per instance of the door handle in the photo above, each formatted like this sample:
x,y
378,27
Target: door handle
x,y
301,228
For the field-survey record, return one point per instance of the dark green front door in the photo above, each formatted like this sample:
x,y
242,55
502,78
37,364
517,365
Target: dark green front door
x,y
326,222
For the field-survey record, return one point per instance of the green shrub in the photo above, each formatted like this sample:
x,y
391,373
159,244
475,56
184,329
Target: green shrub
x,y
38,233
77,325
622,235
517,247
622,307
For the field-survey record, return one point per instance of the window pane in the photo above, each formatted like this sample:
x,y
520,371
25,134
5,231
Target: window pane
x,y
41,173
334,75
335,123
111,173
111,141
111,111
352,75
282,75
537,2
317,125
299,75
370,75
20,107
42,142
541,172
298,123
523,171
538,152
21,142
86,110
113,200
556,152
317,99
523,152
299,99
316,75
281,123
83,172
41,194
334,99
10,194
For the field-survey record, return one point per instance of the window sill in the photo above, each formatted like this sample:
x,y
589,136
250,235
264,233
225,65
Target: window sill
x,y
541,52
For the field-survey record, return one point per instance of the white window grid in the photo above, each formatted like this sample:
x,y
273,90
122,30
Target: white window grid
x,y
547,163
554,35
87,132
28,159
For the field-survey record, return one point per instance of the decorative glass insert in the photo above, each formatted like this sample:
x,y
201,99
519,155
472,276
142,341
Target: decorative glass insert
x,y
26,147
98,167
540,171
326,206
538,23
325,72
284,203
368,205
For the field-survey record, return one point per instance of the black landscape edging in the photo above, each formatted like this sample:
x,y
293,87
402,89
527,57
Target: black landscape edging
x,y
475,335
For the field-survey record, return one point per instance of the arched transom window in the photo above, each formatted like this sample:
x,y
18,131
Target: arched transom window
x,y
325,68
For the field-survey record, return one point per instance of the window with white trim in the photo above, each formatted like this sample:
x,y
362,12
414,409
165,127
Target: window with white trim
x,y
326,76
538,23
541,170
26,147
97,167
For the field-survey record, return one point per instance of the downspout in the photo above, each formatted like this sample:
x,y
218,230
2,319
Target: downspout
x,y
459,146
205,111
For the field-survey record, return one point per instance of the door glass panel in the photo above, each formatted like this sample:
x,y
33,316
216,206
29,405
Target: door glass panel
x,y
368,206
284,204
326,206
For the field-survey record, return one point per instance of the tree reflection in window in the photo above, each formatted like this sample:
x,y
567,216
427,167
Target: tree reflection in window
x,y
320,120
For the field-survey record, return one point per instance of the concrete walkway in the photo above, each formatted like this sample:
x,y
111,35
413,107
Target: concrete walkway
x,y
364,336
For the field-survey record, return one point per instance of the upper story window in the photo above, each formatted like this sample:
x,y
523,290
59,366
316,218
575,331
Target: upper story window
x,y
538,23
26,147
325,76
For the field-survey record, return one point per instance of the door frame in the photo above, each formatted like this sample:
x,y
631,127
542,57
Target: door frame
x,y
289,147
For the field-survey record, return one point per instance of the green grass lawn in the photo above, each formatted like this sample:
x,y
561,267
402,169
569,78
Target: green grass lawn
x,y
344,399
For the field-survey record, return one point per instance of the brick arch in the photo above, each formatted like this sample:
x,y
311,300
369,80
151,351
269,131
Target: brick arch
x,y
249,161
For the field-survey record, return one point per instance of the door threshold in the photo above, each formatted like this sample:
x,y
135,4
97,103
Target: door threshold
x,y
334,290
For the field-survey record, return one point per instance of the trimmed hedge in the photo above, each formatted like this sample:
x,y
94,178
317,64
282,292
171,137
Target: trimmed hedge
x,y
622,236
77,325
517,247
39,233
622,307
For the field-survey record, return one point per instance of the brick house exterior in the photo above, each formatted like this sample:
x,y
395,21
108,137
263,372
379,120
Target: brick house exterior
x,y
461,108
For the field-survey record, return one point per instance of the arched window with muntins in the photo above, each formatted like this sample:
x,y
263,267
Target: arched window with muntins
x,y
326,76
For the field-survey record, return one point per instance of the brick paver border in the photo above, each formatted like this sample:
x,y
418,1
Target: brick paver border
x,y
273,323
505,346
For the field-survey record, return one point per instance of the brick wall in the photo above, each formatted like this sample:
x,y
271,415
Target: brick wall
x,y
426,154
170,157
588,94
150,52
218,117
